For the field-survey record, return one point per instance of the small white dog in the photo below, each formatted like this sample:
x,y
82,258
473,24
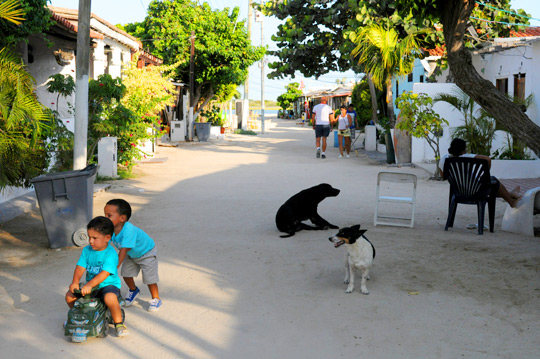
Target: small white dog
x,y
360,254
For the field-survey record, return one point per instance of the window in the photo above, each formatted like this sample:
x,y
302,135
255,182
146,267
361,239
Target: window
x,y
397,87
519,86
108,59
421,78
502,85
410,78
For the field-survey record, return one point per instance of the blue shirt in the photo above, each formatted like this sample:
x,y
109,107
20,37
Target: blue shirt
x,y
134,238
353,116
97,261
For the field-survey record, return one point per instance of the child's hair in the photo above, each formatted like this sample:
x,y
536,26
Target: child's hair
x,y
122,207
343,106
457,147
102,225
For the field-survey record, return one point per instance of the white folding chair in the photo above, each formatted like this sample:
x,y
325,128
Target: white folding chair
x,y
394,177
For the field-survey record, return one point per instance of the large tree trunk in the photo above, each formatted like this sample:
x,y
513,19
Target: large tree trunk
x,y
373,94
454,15
402,144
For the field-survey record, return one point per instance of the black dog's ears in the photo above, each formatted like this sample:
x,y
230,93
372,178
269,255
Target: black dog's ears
x,y
356,227
363,231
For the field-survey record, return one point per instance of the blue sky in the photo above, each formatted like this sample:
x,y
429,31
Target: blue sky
x,y
126,11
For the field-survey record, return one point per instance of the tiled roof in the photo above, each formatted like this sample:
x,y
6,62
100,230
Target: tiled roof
x,y
72,16
68,18
62,21
527,32
438,51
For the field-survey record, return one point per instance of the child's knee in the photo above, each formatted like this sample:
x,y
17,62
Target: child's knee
x,y
70,297
110,299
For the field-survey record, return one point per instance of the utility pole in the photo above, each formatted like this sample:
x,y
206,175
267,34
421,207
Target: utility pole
x,y
82,64
260,18
191,85
250,19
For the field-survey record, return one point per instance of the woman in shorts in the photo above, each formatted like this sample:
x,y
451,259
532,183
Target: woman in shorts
x,y
344,125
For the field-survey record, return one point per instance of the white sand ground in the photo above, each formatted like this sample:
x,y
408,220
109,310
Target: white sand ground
x,y
233,289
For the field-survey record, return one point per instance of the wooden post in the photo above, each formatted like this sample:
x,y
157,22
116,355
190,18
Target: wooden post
x,y
81,87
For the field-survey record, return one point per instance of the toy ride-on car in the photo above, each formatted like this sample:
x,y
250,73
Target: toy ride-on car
x,y
88,318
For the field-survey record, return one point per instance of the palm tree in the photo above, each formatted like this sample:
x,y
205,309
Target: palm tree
x,y
383,54
22,117
478,129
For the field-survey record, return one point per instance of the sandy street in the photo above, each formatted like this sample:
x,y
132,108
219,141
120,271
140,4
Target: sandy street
x,y
233,289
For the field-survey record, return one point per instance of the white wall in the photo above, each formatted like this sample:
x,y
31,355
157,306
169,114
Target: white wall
x,y
505,64
45,65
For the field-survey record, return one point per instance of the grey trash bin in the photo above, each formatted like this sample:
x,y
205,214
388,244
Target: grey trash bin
x,y
66,204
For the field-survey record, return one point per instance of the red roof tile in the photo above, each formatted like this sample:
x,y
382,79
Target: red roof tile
x,y
73,27
527,32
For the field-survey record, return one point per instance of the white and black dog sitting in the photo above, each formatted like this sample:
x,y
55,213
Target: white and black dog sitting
x,y
360,254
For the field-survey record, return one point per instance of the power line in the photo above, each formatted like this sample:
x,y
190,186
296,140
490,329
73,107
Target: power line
x,y
507,11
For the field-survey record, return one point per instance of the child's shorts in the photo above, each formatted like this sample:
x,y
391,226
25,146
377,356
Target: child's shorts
x,y
147,263
100,293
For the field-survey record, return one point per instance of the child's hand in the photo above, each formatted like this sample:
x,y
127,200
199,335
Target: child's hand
x,y
86,289
73,286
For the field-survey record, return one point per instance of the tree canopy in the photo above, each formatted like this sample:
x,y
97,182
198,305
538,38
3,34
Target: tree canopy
x,y
37,19
286,100
223,51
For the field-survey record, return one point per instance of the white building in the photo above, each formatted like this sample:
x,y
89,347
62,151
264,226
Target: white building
x,y
54,52
111,48
511,64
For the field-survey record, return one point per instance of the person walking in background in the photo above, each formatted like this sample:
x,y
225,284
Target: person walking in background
x,y
307,115
345,122
322,117
458,147
351,112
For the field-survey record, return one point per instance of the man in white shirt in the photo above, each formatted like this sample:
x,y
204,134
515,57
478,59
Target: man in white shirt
x,y
322,117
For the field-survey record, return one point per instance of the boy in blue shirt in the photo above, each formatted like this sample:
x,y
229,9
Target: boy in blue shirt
x,y
100,262
137,252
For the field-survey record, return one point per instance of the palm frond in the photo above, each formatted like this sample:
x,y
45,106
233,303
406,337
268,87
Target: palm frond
x,y
11,11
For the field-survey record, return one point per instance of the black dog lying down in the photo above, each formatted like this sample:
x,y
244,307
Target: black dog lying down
x,y
303,206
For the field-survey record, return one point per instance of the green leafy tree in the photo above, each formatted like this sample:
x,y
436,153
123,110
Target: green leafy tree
x,y
223,51
22,118
128,109
37,19
419,119
287,99
361,100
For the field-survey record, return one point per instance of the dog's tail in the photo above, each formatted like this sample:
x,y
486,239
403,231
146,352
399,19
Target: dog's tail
x,y
287,235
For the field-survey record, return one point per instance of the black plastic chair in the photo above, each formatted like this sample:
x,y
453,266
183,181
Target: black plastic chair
x,y
470,183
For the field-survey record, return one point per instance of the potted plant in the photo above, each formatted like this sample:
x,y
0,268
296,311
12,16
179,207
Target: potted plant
x,y
216,119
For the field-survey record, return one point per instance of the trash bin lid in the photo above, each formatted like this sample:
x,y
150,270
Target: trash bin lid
x,y
86,172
